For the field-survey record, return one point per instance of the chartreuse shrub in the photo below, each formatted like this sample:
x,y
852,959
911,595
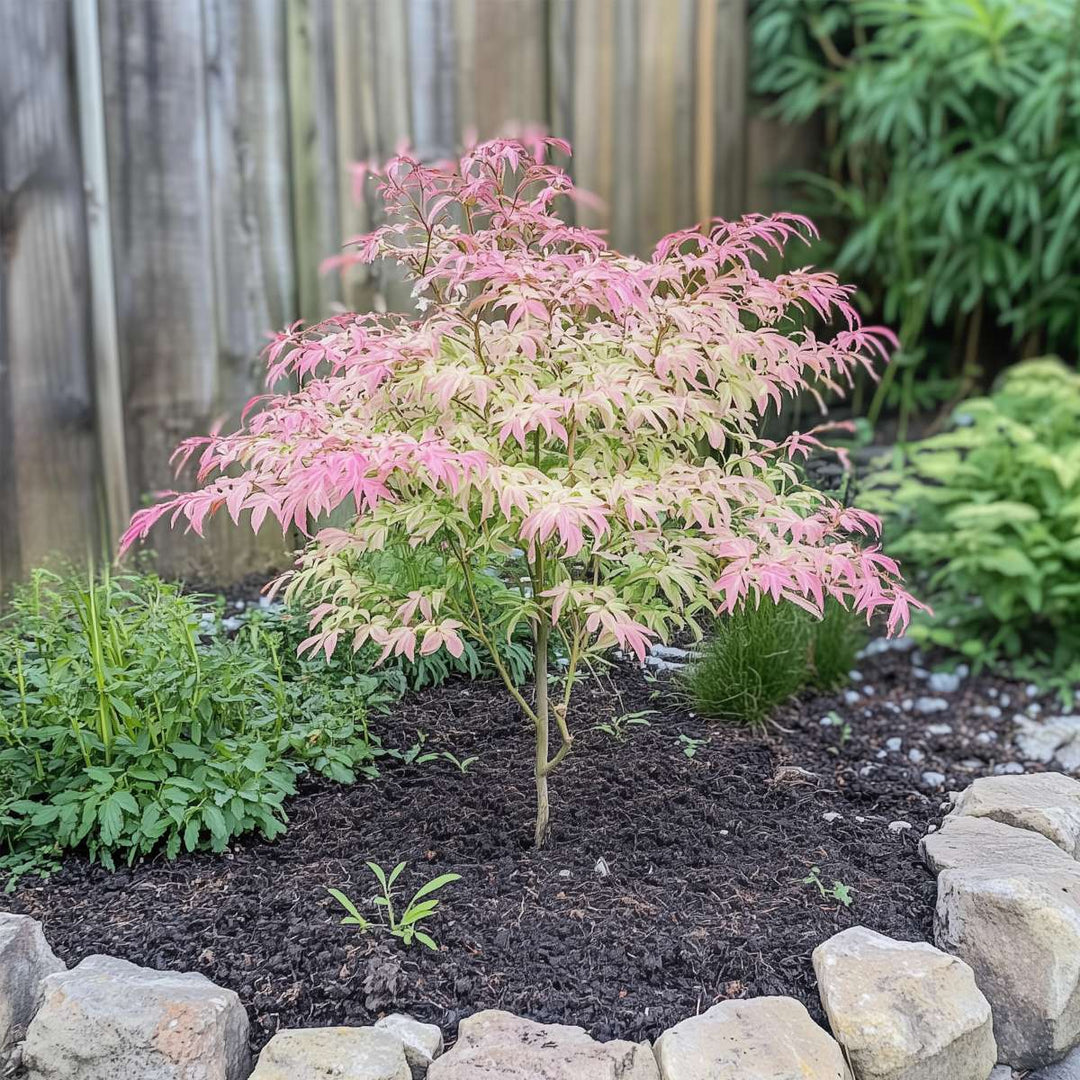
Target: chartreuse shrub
x,y
594,411
122,731
988,516
759,656
951,159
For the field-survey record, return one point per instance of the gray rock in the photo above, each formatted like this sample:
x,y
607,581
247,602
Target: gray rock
x,y
899,826
423,1042
1046,803
336,1053
933,779
830,816
107,1019
944,682
894,743
767,1038
25,960
916,756
1066,1069
1008,904
851,697
931,704
1041,740
494,1045
939,729
903,1010
1002,1072
1009,768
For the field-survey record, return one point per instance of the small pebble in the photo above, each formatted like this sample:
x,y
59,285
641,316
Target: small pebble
x,y
1034,709
899,826
985,738
894,743
859,819
920,673
1004,701
907,704
869,691
855,676
881,755
972,763
1008,768
602,867
933,779
939,729
826,721
992,692
831,816
564,873
931,828
851,697
915,755
931,705
944,682
1031,690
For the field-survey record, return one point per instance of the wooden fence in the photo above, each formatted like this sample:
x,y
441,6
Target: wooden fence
x,y
172,172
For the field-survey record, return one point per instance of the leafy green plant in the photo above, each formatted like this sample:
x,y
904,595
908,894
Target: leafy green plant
x,y
690,745
987,514
618,726
951,167
123,731
406,926
461,764
838,891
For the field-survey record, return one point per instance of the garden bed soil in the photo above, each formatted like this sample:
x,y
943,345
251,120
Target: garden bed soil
x,y
705,897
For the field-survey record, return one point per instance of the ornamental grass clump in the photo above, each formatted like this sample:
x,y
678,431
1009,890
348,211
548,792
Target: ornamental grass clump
x,y
595,411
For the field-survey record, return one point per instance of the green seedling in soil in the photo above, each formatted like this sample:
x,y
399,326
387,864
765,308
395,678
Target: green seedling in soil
x,y
691,746
618,725
838,891
413,755
405,927
461,764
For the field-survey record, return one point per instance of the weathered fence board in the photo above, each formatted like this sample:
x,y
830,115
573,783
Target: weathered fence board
x,y
229,128
49,495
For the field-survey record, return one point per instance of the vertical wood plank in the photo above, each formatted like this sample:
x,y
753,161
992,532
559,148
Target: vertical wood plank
x,y
49,491
729,103
313,151
502,61
251,226
155,97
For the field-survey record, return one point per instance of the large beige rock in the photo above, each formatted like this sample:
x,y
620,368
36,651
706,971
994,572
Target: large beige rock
x,y
1009,905
904,1010
767,1038
337,1053
1046,803
423,1042
494,1045
25,960
107,1019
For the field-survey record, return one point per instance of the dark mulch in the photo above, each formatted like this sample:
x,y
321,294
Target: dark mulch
x,y
705,899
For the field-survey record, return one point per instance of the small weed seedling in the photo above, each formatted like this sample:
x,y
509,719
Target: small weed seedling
x,y
415,755
618,725
690,746
406,927
839,891
461,764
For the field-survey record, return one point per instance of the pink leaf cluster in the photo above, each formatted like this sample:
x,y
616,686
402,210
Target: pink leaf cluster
x,y
597,410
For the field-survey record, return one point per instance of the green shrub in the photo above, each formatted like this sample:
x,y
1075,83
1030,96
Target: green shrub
x,y
834,642
122,731
755,659
759,657
988,515
950,164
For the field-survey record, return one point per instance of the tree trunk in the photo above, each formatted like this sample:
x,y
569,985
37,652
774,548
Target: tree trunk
x,y
540,706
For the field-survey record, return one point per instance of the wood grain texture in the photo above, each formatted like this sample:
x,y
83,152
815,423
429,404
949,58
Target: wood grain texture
x,y
230,129
49,495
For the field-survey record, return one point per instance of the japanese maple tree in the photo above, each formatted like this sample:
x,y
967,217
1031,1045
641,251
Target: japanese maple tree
x,y
595,411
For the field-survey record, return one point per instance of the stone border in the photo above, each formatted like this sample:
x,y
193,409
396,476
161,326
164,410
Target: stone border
x,y
1001,982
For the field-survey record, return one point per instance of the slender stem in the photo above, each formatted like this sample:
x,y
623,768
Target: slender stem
x,y
541,769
